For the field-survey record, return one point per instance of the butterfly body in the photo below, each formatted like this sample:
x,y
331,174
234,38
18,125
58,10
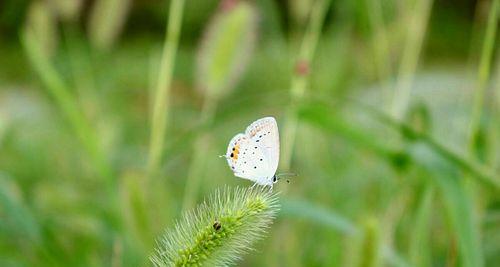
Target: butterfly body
x,y
254,155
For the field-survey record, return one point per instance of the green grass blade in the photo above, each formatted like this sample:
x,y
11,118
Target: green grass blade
x,y
413,45
483,70
162,92
65,101
297,208
300,76
458,204
420,245
371,242
303,209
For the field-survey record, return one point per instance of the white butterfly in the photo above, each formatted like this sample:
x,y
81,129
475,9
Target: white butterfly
x,y
255,154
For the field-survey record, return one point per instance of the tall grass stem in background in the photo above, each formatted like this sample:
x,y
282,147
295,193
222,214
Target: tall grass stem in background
x,y
413,45
420,245
324,217
106,21
220,230
380,44
484,70
370,253
223,54
163,84
495,132
197,165
300,76
313,112
65,101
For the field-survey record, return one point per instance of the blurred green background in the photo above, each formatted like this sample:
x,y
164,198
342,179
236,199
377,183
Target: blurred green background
x,y
389,112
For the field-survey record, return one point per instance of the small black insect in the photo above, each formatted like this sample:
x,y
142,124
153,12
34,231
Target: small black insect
x,y
217,226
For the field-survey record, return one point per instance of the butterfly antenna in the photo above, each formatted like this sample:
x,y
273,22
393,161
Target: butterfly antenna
x,y
223,156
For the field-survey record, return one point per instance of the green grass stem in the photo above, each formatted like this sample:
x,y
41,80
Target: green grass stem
x,y
371,244
322,216
225,49
162,93
413,45
382,58
198,164
65,101
484,70
420,237
299,81
315,113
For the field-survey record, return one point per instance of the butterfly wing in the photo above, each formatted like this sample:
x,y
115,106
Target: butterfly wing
x,y
264,133
247,159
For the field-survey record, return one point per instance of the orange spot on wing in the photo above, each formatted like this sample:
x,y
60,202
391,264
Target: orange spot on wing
x,y
236,151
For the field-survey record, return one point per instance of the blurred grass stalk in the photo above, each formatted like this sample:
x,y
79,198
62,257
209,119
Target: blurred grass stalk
x,y
42,22
299,83
106,20
162,94
225,49
321,216
495,133
483,74
65,101
443,167
380,45
370,252
334,124
471,192
197,166
420,11
420,246
300,76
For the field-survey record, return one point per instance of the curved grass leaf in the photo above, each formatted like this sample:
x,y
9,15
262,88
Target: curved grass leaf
x,y
458,204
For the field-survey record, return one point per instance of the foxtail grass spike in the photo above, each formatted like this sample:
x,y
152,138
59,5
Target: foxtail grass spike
x,y
226,47
220,230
